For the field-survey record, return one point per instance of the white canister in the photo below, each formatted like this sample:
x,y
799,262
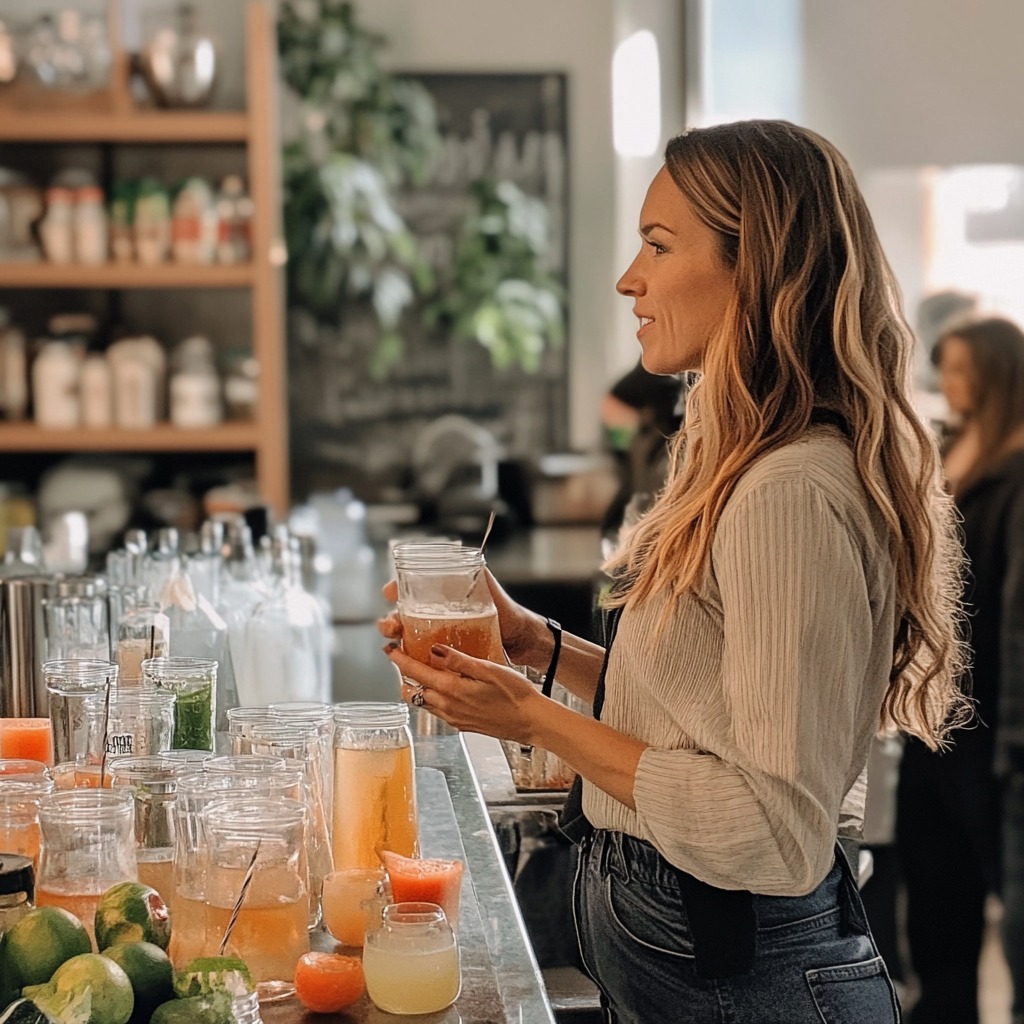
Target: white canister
x,y
135,398
195,399
92,244
55,381
97,392
57,228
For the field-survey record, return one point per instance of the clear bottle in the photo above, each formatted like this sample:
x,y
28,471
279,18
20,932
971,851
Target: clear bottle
x,y
287,646
206,565
374,784
244,588
17,888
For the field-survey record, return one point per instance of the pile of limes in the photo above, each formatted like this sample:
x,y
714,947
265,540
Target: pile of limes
x,y
49,973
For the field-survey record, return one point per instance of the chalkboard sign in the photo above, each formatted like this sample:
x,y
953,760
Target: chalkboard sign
x,y
350,430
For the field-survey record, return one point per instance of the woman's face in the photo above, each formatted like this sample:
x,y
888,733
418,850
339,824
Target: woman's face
x,y
679,284
957,376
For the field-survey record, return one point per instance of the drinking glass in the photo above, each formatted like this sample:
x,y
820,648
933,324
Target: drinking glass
x,y
30,738
258,841
352,901
411,962
87,844
374,785
137,720
75,688
443,598
152,782
194,682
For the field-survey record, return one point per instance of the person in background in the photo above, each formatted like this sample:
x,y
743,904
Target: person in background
x,y
641,412
795,580
948,813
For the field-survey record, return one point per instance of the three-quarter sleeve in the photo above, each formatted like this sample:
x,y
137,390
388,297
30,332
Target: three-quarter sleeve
x,y
759,810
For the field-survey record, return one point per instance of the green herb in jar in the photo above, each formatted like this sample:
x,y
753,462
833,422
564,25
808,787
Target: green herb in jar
x,y
193,718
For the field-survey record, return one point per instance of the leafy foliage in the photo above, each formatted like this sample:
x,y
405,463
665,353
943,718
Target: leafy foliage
x,y
500,293
360,133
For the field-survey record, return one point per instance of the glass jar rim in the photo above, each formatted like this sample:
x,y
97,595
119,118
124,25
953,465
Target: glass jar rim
x,y
84,804
79,673
413,912
233,814
175,664
242,764
371,714
442,560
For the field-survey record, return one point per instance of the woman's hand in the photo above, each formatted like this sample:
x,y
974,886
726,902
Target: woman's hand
x,y
469,693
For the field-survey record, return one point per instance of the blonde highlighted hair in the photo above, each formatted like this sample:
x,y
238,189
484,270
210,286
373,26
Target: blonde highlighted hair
x,y
814,330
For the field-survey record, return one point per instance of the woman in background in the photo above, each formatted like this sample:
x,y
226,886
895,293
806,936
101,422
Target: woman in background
x,y
795,580
948,816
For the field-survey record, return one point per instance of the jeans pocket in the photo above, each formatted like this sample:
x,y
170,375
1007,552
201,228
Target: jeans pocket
x,y
653,918
854,993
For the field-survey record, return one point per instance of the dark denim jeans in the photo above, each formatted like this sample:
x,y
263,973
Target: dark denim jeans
x,y
1013,887
635,941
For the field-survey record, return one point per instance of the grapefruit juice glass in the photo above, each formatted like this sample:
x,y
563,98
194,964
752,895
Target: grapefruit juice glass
x,y
352,901
27,738
374,785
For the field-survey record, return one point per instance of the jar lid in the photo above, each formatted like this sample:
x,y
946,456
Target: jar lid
x,y
16,875
371,714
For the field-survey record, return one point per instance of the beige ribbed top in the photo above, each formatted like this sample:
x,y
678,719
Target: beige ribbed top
x,y
760,698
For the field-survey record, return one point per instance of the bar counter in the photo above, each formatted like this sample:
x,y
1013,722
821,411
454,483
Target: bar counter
x,y
500,977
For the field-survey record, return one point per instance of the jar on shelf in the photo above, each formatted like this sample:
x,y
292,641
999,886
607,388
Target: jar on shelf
x,y
234,210
122,218
56,229
194,223
13,369
152,223
96,391
90,226
195,389
55,382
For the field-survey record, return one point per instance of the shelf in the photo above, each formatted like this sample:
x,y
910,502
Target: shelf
x,y
124,275
229,437
139,126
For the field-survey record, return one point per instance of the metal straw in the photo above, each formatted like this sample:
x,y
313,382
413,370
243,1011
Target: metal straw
x,y
483,544
106,726
249,872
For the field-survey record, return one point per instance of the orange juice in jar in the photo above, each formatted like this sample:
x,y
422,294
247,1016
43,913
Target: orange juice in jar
x,y
191,935
29,738
472,633
374,785
19,815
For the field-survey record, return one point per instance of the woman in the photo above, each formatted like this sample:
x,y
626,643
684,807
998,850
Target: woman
x,y
948,807
787,588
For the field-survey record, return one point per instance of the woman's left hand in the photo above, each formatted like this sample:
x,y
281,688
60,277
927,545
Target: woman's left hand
x,y
469,693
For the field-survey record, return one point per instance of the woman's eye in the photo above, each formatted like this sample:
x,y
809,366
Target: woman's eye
x,y
656,246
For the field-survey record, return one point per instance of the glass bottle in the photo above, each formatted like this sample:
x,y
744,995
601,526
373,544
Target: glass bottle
x,y
411,961
260,838
87,844
374,784
288,637
17,885
244,588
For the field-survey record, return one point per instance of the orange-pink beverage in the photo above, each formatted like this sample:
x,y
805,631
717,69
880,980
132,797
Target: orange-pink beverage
x,y
473,633
350,900
157,874
374,806
82,901
30,738
190,934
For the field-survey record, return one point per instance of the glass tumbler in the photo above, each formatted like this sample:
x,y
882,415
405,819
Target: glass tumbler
x,y
374,784
139,720
194,682
411,961
152,782
75,688
443,598
257,842
87,844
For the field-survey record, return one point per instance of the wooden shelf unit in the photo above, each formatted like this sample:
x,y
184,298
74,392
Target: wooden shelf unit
x,y
256,129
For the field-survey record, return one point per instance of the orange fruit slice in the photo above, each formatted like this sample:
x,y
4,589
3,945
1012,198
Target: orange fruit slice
x,y
328,982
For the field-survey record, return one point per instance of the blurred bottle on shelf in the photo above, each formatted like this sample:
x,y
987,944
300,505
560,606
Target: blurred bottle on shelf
x,y
234,210
91,230
194,227
13,369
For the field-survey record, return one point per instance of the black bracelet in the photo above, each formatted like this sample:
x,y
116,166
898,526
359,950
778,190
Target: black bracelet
x,y
549,676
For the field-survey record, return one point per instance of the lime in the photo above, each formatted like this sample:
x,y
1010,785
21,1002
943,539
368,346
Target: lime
x,y
149,970
209,974
209,1009
132,912
112,997
40,942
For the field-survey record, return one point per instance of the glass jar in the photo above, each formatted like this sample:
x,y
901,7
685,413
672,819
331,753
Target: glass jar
x,y
322,717
443,598
19,814
411,961
87,844
143,632
374,784
74,688
135,721
259,842
17,884
21,767
153,783
194,682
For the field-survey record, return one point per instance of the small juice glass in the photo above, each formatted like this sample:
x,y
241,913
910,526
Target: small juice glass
x,y
30,738
352,901
411,962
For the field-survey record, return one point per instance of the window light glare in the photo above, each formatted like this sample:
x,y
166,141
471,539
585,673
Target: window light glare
x,y
636,96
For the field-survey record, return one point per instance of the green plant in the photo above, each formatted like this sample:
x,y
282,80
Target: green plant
x,y
359,134
499,292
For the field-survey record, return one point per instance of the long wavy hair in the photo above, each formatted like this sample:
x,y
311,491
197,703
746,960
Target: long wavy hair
x,y
996,347
814,328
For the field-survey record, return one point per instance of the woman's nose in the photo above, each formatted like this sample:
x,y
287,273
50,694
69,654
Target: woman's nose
x,y
630,282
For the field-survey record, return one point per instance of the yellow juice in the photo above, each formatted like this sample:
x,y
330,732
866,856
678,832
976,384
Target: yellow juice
x,y
408,981
374,806
189,931
470,632
82,904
